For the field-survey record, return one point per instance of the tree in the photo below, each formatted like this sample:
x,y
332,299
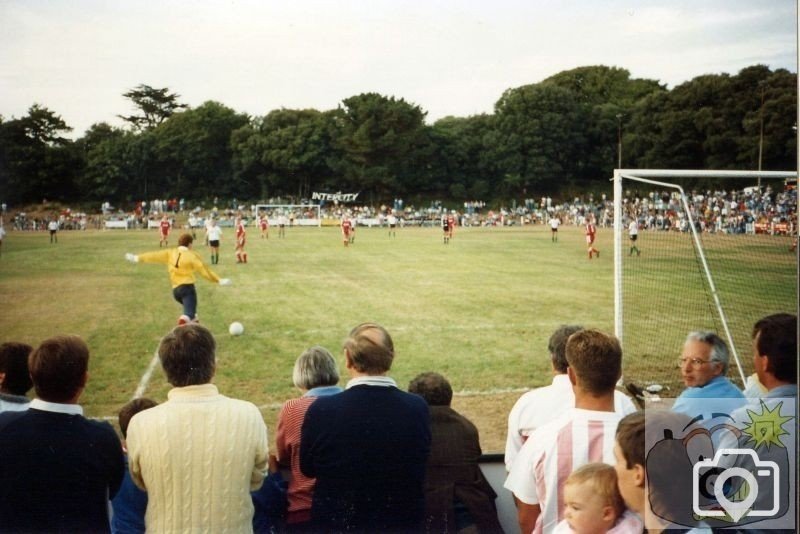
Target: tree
x,y
384,142
541,138
35,161
155,106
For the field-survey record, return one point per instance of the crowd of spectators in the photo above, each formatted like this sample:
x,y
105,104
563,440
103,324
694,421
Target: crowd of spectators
x,y
751,210
369,457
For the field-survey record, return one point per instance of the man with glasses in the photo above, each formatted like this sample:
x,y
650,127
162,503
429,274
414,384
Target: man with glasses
x,y
703,366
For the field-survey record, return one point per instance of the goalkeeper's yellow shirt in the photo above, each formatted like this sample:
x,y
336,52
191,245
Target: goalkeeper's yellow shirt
x,y
182,263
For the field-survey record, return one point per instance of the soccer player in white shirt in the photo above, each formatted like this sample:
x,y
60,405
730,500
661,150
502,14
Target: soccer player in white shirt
x,y
633,234
581,435
554,223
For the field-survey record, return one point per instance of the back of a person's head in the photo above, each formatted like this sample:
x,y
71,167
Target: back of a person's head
x,y
601,478
432,387
188,355
315,368
58,368
370,348
630,438
557,346
776,338
132,408
185,240
596,359
14,367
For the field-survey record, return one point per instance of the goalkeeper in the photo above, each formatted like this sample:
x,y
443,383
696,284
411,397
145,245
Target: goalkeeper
x,y
182,263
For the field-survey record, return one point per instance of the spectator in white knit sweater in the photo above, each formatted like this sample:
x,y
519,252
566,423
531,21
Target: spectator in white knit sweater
x,y
199,454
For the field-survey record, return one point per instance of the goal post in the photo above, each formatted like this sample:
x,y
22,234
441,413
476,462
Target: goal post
x,y
295,214
706,252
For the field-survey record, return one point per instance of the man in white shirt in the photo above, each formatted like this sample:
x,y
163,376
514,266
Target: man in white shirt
x,y
542,405
581,435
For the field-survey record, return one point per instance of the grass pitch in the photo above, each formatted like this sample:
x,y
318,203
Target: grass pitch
x,y
479,310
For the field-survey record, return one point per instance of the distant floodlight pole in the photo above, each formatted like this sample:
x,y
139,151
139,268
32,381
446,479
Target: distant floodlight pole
x,y
760,133
619,140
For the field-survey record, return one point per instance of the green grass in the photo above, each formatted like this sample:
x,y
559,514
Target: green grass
x,y
479,310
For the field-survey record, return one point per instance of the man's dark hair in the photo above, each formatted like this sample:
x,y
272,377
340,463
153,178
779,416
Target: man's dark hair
x,y
188,355
132,408
58,368
432,387
371,348
631,439
557,346
777,340
14,363
596,359
185,240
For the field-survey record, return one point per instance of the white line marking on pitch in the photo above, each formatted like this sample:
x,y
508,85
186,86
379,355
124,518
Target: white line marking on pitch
x,y
146,377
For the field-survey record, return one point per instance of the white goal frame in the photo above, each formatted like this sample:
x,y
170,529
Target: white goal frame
x,y
286,209
650,176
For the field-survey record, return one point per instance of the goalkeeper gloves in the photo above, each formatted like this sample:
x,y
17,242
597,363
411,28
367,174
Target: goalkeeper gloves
x,y
225,281
133,258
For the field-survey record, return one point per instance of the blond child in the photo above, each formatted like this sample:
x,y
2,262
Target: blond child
x,y
593,504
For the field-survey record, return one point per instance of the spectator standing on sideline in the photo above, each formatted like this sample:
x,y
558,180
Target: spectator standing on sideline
x,y
58,469
199,454
130,503
315,374
457,495
375,484
182,263
542,405
15,380
579,436
703,366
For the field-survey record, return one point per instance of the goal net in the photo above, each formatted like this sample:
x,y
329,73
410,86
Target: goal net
x,y
290,214
713,253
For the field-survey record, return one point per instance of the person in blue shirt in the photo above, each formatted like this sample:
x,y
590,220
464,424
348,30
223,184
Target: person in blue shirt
x,y
130,503
703,365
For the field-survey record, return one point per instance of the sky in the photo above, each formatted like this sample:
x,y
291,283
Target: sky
x,y
450,57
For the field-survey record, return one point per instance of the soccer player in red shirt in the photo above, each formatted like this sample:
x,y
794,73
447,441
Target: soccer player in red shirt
x,y
591,230
241,255
451,225
347,229
163,229
264,223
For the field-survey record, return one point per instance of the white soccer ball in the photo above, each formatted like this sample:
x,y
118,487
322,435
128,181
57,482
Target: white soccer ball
x,y
236,328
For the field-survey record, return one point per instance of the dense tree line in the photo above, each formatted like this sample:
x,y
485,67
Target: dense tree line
x,y
559,135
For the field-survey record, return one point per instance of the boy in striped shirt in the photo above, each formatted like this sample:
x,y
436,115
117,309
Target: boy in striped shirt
x,y
581,435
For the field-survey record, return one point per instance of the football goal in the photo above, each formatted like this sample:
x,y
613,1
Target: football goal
x,y
292,214
713,252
